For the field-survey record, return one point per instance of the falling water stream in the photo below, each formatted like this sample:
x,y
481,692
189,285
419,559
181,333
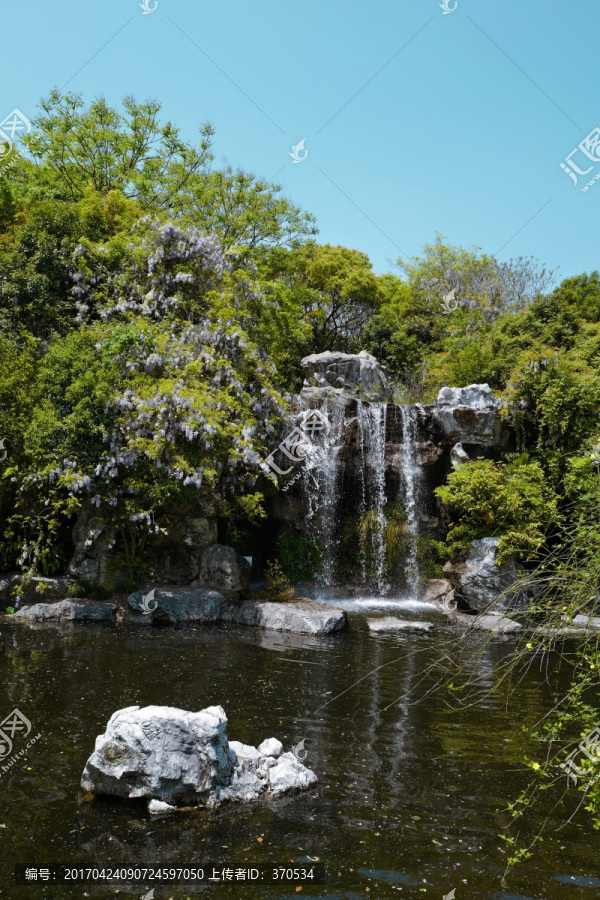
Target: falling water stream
x,y
321,477
372,427
322,488
410,473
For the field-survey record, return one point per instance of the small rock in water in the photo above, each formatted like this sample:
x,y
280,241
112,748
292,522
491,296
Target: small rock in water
x,y
155,807
391,623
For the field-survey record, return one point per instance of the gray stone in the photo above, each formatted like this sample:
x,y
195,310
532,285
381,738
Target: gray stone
x,y
391,623
580,626
300,616
94,548
494,623
271,747
458,455
224,569
179,606
358,375
68,611
175,553
469,415
434,590
184,758
589,622
482,584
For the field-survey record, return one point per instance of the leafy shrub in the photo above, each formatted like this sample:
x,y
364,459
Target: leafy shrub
x,y
301,558
278,590
486,499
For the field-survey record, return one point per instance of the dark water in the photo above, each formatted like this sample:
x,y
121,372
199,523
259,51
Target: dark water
x,y
409,801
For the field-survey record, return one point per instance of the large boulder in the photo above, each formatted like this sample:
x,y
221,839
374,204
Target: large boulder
x,y
184,758
355,374
300,616
223,569
470,415
174,551
482,584
178,605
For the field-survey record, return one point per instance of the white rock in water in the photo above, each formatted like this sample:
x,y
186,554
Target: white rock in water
x,y
179,757
391,623
271,747
155,807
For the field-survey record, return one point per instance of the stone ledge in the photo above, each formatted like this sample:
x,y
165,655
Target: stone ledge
x,y
197,605
67,611
494,624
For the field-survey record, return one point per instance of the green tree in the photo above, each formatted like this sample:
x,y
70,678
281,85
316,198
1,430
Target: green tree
x,y
335,290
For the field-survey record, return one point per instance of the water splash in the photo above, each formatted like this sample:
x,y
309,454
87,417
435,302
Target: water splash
x,y
409,468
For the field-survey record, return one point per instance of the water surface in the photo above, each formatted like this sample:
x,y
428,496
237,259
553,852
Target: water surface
x,y
409,801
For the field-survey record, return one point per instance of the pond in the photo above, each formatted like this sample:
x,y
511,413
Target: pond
x,y
410,798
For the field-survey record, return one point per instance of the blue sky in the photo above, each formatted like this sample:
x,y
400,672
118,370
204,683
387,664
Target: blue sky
x,y
414,121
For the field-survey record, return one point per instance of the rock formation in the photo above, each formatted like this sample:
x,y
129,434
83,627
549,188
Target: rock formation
x,y
184,758
482,584
354,375
470,415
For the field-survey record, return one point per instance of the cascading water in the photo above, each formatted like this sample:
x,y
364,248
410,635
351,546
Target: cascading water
x,y
410,474
372,428
321,485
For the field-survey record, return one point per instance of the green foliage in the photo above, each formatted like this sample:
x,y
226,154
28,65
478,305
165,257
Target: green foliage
x,y
301,558
278,589
74,148
487,499
359,541
90,590
334,290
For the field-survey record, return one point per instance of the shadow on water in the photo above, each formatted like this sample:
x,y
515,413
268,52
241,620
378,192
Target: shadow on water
x,y
409,801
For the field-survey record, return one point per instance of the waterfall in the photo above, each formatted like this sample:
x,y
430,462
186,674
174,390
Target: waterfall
x,y
409,467
321,486
372,429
